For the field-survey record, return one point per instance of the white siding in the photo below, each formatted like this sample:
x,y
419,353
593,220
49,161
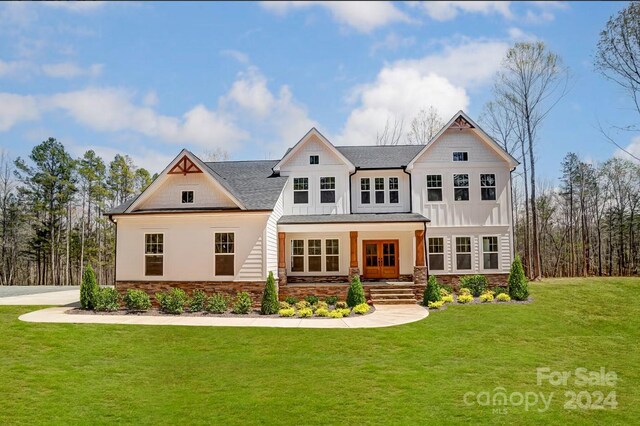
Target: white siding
x,y
313,146
169,194
386,207
271,237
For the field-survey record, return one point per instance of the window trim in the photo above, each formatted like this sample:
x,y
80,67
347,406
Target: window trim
x,y
441,187
453,156
453,181
293,187
235,252
495,186
368,178
328,190
323,255
144,253
193,196
482,252
389,190
454,248
444,251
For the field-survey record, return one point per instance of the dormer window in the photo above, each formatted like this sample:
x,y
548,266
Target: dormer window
x,y
314,159
187,197
461,156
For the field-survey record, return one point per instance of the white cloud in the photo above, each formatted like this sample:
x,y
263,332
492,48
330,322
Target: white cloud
x,y
12,68
16,108
447,10
239,56
150,99
71,70
363,16
633,148
516,34
393,42
250,92
149,159
76,6
543,11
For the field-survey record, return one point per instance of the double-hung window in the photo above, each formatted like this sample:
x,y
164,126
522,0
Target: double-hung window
x,y
224,253
327,189
365,190
436,253
393,190
434,187
463,253
315,255
332,255
488,186
461,187
301,190
490,252
153,254
297,255
379,187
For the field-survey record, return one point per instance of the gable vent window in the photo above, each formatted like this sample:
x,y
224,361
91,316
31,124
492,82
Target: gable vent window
x,y
153,254
393,190
379,186
461,187
365,190
434,187
327,189
461,156
488,186
463,253
436,253
314,159
187,197
300,190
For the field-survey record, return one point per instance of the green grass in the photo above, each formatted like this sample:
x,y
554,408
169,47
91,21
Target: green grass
x,y
412,374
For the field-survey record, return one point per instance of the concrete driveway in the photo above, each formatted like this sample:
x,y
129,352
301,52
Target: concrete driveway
x,y
39,295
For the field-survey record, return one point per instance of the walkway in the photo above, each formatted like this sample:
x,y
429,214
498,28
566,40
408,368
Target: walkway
x,y
39,295
383,316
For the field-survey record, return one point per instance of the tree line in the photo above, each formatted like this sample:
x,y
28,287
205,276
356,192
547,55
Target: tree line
x,y
51,214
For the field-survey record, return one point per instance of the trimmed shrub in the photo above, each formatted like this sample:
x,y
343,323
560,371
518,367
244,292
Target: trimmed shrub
x,y
444,292
436,305
291,300
345,312
503,297
289,312
518,286
284,305
107,299
361,309
465,298
341,305
331,300
476,283
447,299
303,304
320,305
447,287
312,299
322,312
464,291
172,301
356,293
198,301
269,297
486,297
336,313
242,304
218,303
88,288
431,291
500,290
137,300
305,313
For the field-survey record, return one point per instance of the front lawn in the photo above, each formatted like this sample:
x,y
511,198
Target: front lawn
x,y
412,374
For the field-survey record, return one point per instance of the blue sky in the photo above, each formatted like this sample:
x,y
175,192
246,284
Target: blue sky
x,y
148,79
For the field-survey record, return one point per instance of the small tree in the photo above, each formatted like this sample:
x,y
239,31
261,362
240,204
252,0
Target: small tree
x,y
356,293
270,303
518,286
88,289
432,291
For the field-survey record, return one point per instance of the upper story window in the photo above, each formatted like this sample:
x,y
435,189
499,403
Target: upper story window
x,y
327,189
436,253
463,253
393,190
153,254
488,186
365,190
434,187
301,190
460,156
314,159
379,187
461,187
187,197
224,253
490,252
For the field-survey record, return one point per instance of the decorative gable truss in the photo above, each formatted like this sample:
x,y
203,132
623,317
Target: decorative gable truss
x,y
184,166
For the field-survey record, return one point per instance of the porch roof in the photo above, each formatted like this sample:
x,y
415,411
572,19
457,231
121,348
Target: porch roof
x,y
352,218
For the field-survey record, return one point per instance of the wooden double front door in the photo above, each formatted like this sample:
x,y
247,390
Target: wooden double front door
x,y
380,258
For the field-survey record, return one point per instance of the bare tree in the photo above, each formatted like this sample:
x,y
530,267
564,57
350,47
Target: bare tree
x,y
217,154
392,132
425,126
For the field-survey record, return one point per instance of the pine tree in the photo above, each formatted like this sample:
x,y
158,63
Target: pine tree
x,y
518,286
432,291
88,289
269,297
356,293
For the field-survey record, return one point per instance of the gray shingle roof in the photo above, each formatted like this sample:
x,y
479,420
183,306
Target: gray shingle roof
x,y
352,218
380,156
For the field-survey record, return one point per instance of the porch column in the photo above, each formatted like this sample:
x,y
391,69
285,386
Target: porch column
x,y
353,264
282,266
420,269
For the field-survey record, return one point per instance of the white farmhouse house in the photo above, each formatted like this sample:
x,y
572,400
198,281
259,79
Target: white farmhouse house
x,y
322,214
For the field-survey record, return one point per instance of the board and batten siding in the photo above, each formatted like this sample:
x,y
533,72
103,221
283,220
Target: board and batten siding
x,y
403,204
271,237
189,245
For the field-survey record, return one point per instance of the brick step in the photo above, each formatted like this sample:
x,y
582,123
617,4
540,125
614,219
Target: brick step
x,y
393,296
391,290
394,302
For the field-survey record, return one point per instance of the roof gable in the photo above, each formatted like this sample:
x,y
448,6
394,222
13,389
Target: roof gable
x,y
313,136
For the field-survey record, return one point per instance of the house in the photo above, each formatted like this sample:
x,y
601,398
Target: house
x,y
323,214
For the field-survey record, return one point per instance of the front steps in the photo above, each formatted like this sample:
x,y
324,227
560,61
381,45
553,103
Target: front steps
x,y
393,296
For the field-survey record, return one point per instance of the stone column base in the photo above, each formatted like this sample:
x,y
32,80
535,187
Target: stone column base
x,y
353,272
282,276
420,275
